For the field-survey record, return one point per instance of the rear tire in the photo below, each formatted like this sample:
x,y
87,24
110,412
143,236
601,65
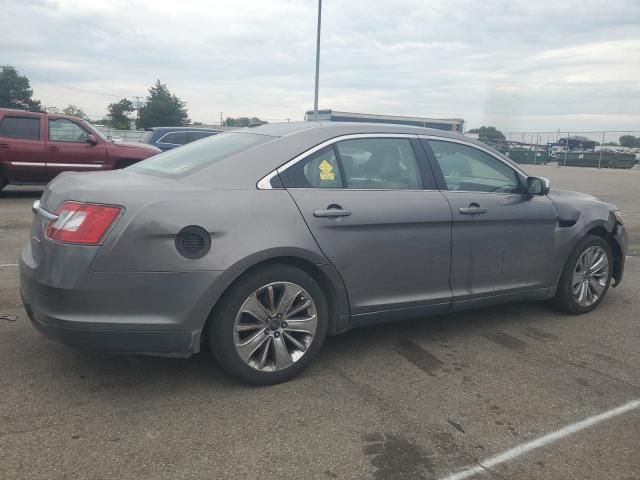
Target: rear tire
x,y
3,181
269,325
586,276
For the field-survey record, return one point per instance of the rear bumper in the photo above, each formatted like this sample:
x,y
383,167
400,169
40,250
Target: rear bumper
x,y
147,342
155,313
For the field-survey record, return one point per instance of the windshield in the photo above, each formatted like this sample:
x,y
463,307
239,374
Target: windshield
x,y
193,156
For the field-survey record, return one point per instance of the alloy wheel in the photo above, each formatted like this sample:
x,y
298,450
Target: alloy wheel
x,y
590,276
275,326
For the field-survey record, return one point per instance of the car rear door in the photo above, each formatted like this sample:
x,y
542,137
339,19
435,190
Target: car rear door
x,y
503,238
371,204
68,149
22,148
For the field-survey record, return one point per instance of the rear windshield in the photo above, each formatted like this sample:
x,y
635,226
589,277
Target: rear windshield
x,y
185,159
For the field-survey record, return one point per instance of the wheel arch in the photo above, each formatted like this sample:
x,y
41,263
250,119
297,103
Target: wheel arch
x,y
616,250
324,273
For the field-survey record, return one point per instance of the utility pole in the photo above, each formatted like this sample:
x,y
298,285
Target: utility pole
x,y
315,101
137,109
221,121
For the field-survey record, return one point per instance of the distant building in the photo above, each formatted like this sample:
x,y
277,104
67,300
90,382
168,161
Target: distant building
x,y
449,124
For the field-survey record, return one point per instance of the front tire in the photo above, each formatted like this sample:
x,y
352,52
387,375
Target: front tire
x,y
586,276
269,325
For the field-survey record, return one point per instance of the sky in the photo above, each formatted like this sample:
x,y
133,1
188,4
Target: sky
x,y
534,65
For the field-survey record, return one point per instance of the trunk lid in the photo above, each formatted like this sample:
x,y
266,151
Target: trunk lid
x,y
118,187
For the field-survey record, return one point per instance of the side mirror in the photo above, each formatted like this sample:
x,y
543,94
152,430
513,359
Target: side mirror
x,y
538,185
91,138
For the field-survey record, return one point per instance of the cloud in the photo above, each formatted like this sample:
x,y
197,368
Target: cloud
x,y
520,65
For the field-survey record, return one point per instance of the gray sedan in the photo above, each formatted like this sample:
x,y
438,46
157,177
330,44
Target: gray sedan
x,y
262,242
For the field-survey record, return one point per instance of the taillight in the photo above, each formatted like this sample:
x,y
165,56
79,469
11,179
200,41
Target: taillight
x,y
84,223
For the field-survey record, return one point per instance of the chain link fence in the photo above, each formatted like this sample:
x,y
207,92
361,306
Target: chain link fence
x,y
600,149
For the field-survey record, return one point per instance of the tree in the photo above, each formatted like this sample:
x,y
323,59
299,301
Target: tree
x,y
118,114
162,108
488,133
75,111
15,90
243,122
630,141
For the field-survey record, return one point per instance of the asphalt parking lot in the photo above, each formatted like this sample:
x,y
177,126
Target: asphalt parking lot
x,y
420,399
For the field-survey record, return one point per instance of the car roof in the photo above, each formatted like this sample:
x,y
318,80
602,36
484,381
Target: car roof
x,y
185,128
344,128
287,141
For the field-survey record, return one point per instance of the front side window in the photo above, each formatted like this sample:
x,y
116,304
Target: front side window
x,y
23,128
469,169
319,170
63,130
379,163
175,138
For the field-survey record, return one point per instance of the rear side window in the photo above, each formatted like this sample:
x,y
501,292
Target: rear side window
x,y
183,160
319,170
358,164
175,138
23,128
379,163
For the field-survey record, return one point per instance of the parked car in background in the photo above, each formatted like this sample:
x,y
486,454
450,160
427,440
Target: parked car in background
x,y
166,138
261,242
35,147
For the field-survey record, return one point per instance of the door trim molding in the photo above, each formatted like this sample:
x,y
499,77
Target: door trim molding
x,y
71,165
28,164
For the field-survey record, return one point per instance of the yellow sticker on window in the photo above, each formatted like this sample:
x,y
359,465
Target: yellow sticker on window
x,y
325,167
327,175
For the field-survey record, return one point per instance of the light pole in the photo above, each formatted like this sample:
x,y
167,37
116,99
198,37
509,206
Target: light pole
x,y
315,101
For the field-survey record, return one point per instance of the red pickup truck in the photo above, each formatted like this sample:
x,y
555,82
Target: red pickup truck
x,y
35,147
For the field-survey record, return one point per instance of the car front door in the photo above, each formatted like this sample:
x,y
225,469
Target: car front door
x,y
503,238
68,149
372,206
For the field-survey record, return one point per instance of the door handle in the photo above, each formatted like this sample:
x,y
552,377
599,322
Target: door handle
x,y
331,213
4,146
472,209
53,148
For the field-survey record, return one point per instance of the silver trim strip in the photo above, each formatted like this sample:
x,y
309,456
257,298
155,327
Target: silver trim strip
x,y
265,182
28,164
64,165
71,165
47,215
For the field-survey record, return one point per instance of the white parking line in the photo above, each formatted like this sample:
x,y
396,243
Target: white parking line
x,y
524,448
8,265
